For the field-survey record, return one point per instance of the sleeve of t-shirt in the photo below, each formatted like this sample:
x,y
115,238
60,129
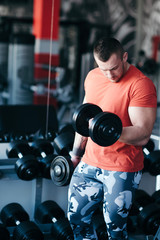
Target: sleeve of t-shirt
x,y
143,93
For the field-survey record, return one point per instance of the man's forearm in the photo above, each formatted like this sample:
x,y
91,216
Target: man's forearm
x,y
79,145
135,135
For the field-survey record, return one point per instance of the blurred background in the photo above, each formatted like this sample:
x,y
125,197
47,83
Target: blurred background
x,y
45,54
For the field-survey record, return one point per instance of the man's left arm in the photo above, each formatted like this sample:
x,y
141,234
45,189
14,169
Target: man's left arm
x,y
142,119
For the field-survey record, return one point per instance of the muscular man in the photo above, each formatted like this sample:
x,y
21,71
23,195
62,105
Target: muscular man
x,y
111,174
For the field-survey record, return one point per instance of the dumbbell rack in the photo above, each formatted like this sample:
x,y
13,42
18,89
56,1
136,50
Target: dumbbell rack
x,y
28,193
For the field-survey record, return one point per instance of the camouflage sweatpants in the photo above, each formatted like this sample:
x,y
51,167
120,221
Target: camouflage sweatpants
x,y
90,186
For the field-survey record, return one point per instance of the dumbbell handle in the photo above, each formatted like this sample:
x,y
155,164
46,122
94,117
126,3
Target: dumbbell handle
x,y
17,222
20,155
43,154
54,220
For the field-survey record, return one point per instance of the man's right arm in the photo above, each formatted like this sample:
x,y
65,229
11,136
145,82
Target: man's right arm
x,y
78,146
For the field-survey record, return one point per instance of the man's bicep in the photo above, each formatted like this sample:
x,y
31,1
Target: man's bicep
x,y
143,117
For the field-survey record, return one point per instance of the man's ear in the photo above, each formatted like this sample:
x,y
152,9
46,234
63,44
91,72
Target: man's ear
x,y
125,57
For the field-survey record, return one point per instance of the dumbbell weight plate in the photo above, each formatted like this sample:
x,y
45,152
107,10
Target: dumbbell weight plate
x,y
13,212
140,200
48,210
61,170
27,168
81,117
62,230
63,143
105,129
18,146
27,230
42,145
147,218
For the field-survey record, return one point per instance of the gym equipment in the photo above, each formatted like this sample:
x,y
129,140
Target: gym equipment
x,y
50,212
151,159
61,170
104,128
4,233
63,143
147,211
141,199
26,166
43,150
13,214
62,167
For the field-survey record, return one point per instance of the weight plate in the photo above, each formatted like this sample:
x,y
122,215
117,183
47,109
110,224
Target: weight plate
x,y
140,200
48,211
146,217
62,230
42,146
16,147
27,168
12,212
63,143
61,170
81,117
27,230
105,129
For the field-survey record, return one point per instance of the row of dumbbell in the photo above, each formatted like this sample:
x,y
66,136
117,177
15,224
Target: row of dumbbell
x,y
52,160
34,159
48,212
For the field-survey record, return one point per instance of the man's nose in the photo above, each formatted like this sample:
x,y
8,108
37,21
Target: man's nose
x,y
109,74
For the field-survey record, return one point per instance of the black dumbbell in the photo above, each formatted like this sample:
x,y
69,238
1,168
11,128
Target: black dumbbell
x,y
104,128
4,233
44,151
62,167
151,159
147,212
26,166
50,212
13,214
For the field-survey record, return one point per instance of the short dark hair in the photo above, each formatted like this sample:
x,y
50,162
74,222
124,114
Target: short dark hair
x,y
105,47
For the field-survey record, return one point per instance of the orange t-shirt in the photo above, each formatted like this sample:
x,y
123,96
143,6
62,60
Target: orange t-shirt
x,y
134,89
